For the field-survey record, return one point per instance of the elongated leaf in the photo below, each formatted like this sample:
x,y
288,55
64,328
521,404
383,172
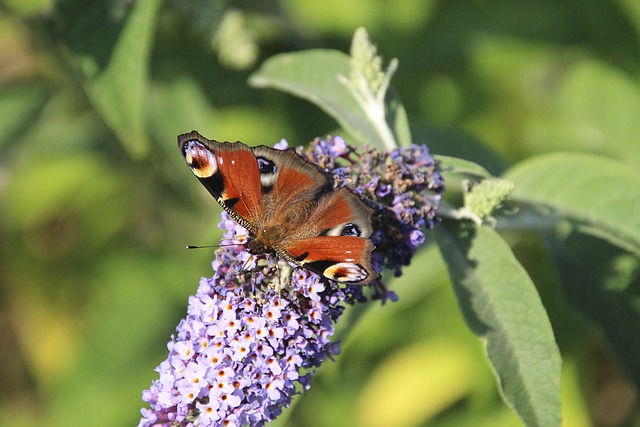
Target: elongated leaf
x,y
113,62
313,75
501,305
600,194
595,109
454,165
602,281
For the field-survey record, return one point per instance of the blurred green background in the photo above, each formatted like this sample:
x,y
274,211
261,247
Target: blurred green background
x,y
96,204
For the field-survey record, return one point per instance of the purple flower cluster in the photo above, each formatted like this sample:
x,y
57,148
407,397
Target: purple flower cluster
x,y
239,356
257,328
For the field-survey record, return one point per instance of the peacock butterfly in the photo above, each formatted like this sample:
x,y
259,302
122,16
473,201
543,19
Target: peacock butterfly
x,y
288,205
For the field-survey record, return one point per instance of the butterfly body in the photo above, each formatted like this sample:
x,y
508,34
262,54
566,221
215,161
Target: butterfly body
x,y
288,205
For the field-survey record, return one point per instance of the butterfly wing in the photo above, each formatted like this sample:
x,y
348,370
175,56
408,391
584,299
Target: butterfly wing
x,y
337,243
289,180
316,226
229,171
344,259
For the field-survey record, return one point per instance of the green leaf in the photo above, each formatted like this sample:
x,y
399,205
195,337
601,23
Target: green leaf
x,y
454,165
115,64
597,193
500,304
313,75
595,109
602,281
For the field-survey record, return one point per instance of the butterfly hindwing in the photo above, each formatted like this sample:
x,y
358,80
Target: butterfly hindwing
x,y
338,246
341,213
344,259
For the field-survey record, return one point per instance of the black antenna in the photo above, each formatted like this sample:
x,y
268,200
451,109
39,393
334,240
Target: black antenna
x,y
222,245
202,247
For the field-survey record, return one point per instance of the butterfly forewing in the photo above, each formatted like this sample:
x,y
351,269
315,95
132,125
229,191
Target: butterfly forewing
x,y
229,171
294,180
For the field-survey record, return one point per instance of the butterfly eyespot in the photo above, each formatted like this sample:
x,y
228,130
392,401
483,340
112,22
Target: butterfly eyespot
x,y
346,272
350,229
268,174
266,166
201,161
